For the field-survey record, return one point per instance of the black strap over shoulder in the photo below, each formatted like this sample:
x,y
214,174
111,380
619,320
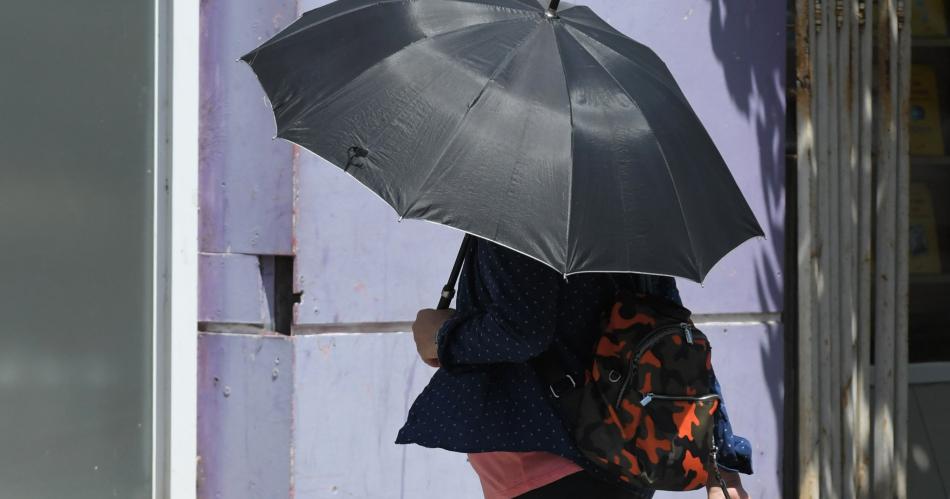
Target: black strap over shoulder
x,y
559,370
667,308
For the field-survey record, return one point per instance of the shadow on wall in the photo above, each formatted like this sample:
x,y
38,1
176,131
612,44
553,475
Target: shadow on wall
x,y
756,82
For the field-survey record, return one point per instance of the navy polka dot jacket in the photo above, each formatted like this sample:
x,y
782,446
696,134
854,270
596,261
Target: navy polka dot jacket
x,y
511,308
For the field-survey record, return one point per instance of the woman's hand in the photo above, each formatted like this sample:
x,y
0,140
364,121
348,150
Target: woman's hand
x,y
733,483
424,331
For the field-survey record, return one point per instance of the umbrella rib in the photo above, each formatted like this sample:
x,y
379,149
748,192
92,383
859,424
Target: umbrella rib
x,y
458,129
526,5
281,37
319,104
562,10
581,22
568,258
521,6
579,27
659,146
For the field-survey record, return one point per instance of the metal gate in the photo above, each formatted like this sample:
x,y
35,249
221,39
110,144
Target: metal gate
x,y
852,91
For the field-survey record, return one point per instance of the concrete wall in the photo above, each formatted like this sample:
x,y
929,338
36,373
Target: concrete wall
x,y
359,270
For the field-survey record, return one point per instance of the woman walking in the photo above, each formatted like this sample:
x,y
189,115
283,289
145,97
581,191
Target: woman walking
x,y
487,400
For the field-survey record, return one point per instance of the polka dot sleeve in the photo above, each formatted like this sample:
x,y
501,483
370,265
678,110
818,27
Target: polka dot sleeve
x,y
515,320
735,452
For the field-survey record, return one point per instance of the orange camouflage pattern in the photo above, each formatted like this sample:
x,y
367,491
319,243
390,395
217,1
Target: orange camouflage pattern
x,y
659,443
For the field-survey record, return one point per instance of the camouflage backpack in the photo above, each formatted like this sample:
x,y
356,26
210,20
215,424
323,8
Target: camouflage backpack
x,y
644,408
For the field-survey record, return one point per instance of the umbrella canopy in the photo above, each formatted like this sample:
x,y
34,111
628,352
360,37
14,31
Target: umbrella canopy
x,y
546,131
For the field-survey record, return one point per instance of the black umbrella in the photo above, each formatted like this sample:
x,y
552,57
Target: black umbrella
x,y
542,129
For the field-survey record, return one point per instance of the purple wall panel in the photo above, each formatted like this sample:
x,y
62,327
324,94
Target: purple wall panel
x,y
305,5
246,178
245,423
338,401
231,290
355,262
749,362
351,397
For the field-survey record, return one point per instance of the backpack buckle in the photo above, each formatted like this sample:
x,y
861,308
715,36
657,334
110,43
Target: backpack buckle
x,y
556,392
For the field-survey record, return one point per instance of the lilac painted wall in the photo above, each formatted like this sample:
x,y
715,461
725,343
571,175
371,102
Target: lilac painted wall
x,y
245,424
275,424
231,289
357,266
344,437
355,262
245,177
314,416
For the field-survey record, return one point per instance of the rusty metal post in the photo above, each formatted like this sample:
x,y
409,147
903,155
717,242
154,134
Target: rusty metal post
x,y
825,153
847,234
885,269
807,254
864,253
901,350
853,189
830,215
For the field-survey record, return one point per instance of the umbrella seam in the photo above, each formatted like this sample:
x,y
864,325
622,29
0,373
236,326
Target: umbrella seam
x,y
458,129
584,22
579,27
508,186
695,262
274,40
531,4
569,257
525,8
278,38
320,104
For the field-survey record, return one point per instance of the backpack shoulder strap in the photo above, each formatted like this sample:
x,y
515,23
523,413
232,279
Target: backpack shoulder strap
x,y
558,368
560,382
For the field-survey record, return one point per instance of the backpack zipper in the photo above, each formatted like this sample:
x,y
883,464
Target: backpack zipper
x,y
688,332
714,454
649,397
652,339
